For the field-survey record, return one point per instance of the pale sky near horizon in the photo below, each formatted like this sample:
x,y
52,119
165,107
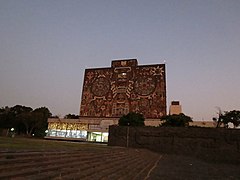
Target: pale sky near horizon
x,y
45,45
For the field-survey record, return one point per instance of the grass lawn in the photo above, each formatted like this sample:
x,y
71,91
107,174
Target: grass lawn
x,y
20,143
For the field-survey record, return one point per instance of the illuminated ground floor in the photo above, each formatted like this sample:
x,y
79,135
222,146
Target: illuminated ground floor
x,y
94,130
81,135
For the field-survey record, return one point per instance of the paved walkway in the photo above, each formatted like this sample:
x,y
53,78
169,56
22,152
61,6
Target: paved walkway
x,y
175,167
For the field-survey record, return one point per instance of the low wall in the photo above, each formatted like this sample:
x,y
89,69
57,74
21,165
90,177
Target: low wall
x,y
215,145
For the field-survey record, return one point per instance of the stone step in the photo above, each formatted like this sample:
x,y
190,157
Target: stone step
x,y
10,164
85,164
103,166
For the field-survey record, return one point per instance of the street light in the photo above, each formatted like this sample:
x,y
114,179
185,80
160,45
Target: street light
x,y
127,134
12,132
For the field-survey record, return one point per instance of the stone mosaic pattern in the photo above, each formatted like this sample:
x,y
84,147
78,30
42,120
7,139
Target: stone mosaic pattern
x,y
122,88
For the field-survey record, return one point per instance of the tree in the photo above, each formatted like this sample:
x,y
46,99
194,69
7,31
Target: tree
x,y
24,119
44,111
27,119
35,121
232,117
218,119
9,117
71,116
228,117
175,120
132,119
18,109
6,119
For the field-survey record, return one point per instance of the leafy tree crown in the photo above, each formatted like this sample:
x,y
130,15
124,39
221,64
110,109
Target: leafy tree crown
x,y
132,119
180,120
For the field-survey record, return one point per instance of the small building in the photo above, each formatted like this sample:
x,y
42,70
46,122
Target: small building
x,y
75,129
175,108
66,128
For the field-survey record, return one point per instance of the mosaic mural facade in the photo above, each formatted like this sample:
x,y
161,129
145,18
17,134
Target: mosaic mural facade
x,y
122,88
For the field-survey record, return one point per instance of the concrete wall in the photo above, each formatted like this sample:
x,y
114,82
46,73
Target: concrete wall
x,y
215,145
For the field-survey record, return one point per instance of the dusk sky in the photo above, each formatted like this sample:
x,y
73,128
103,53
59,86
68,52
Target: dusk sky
x,y
45,45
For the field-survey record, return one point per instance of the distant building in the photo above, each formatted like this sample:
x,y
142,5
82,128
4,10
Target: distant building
x,y
122,88
175,108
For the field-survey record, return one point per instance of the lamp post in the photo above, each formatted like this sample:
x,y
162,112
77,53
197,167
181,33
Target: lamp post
x,y
12,132
128,135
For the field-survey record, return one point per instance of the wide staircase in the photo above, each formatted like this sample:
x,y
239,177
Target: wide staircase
x,y
107,163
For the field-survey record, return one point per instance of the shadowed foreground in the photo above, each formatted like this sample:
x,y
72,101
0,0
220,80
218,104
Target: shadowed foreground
x,y
39,159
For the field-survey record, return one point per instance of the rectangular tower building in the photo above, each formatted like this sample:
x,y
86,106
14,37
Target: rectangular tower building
x,y
122,88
